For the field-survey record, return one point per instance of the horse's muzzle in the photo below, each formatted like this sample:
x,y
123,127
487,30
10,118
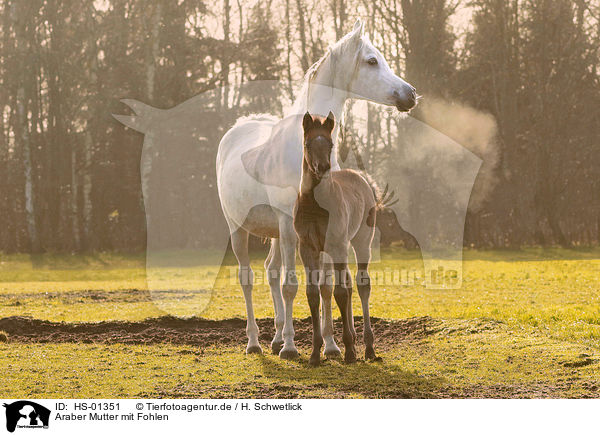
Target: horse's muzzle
x,y
404,103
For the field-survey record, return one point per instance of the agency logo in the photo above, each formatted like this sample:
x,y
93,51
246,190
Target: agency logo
x,y
25,414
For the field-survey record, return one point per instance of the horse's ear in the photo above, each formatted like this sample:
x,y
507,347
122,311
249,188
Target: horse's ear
x,y
329,122
356,32
307,122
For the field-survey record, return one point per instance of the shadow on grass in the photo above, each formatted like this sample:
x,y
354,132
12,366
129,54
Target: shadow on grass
x,y
382,379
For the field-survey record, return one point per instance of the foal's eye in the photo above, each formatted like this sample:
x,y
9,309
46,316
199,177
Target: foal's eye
x,y
372,61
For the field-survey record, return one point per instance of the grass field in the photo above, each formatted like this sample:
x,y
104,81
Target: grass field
x,y
523,324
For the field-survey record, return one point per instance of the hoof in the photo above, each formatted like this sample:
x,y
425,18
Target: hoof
x,y
276,347
370,355
288,354
314,361
350,358
253,349
333,353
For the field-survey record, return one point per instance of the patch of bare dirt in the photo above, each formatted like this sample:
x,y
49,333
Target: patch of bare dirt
x,y
197,331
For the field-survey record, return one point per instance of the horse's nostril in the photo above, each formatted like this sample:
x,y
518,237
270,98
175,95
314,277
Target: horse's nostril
x,y
407,99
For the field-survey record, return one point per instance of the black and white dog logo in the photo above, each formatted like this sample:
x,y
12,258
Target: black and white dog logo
x,y
26,414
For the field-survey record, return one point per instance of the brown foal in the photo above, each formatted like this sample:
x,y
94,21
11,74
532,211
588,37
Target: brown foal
x,y
334,209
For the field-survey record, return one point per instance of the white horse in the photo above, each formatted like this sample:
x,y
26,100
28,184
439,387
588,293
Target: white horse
x,y
259,165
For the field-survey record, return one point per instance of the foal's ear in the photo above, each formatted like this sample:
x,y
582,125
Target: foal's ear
x,y
329,122
307,122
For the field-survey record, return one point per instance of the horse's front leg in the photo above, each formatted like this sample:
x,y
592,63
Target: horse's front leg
x,y
310,258
273,270
287,240
239,244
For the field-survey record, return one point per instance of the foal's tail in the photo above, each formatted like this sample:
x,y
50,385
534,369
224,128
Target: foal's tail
x,y
382,199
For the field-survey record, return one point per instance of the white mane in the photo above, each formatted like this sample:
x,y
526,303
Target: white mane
x,y
333,54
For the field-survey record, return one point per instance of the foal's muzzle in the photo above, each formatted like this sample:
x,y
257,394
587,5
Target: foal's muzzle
x,y
321,170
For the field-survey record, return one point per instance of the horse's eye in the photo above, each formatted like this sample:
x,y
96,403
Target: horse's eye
x,y
372,61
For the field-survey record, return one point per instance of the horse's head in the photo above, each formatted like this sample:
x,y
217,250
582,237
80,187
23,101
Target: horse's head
x,y
371,78
318,143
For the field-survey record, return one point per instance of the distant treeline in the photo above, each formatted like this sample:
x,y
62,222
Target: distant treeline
x,y
520,77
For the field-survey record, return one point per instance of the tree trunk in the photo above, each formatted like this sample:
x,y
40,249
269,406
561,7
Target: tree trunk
x,y
88,144
302,31
154,51
74,201
87,189
225,59
557,231
23,127
29,194
288,39
338,10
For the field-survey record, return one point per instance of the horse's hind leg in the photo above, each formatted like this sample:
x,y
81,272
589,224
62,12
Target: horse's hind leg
x,y
239,244
273,269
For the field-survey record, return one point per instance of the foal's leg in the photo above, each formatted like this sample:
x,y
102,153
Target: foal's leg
x,y
239,244
327,280
273,269
310,258
342,294
349,305
363,282
287,240
362,249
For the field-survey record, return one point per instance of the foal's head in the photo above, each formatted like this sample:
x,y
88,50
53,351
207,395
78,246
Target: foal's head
x,y
318,144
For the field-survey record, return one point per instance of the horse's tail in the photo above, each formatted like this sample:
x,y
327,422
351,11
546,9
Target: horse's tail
x,y
383,199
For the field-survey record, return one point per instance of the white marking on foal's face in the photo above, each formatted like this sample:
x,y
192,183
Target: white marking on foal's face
x,y
375,81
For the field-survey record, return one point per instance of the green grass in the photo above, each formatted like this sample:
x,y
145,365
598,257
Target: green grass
x,y
523,324
555,290
459,361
